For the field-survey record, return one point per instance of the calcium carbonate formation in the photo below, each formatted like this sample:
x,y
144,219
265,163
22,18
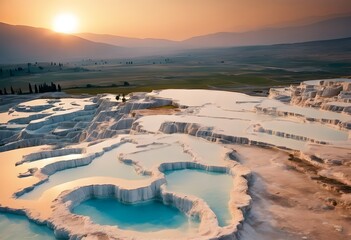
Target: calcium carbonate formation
x,y
59,151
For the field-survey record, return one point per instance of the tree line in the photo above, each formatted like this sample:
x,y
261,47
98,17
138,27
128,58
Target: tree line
x,y
30,68
41,88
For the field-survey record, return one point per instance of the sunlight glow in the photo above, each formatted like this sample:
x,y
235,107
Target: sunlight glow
x,y
65,23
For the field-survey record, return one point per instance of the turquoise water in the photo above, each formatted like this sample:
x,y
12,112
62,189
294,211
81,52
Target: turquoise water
x,y
106,165
19,227
213,188
144,217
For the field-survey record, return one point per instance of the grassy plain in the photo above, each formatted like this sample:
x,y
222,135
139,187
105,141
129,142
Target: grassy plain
x,y
244,69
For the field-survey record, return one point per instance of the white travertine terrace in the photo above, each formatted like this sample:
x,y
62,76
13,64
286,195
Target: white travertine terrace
x,y
57,153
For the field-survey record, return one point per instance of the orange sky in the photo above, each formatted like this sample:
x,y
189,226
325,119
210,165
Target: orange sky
x,y
171,19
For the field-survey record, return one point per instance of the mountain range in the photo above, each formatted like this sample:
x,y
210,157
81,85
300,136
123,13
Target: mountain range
x,y
324,30
338,27
26,44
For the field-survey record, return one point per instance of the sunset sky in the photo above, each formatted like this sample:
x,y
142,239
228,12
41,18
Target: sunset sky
x,y
170,19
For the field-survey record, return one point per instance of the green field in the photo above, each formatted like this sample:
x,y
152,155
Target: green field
x,y
244,69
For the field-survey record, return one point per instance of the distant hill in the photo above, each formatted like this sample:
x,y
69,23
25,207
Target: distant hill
x,y
129,42
25,44
328,29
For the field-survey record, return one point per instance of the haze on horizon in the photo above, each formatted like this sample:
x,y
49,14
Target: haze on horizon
x,y
169,19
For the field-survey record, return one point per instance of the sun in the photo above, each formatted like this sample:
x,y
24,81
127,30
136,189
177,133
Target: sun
x,y
65,23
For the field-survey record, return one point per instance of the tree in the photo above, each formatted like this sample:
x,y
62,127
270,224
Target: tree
x,y
126,84
0,92
30,88
12,91
20,91
28,66
5,91
53,87
36,88
58,88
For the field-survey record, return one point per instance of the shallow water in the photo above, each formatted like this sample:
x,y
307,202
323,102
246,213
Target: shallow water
x,y
213,188
106,165
310,130
43,162
154,157
19,227
279,141
144,217
208,152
